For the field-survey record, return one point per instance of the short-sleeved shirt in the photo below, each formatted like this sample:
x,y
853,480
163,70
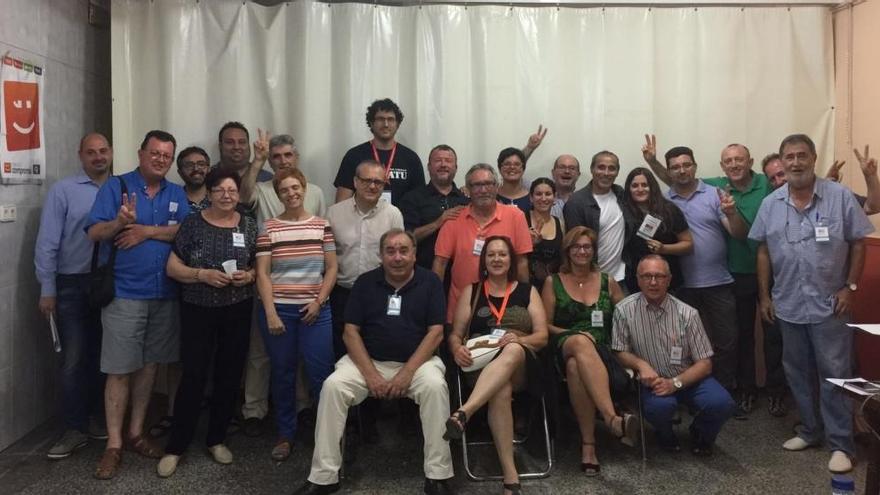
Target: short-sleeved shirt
x,y
357,236
806,272
421,207
202,205
706,266
650,332
456,243
297,250
742,254
200,244
406,173
269,206
140,270
395,337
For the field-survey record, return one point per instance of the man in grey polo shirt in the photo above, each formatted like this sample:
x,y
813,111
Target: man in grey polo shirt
x,y
812,234
708,286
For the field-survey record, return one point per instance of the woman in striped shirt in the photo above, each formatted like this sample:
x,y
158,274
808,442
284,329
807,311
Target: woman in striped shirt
x,y
296,269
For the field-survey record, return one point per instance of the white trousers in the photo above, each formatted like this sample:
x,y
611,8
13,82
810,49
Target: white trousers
x,y
346,387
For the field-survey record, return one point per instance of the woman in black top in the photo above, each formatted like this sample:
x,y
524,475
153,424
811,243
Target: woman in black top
x,y
546,231
216,303
672,239
498,301
511,168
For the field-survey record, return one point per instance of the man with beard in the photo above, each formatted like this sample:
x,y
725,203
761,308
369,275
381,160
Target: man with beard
x,y
566,172
63,260
235,151
192,165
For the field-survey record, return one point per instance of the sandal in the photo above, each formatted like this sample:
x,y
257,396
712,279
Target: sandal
x,y
162,427
589,468
627,431
109,464
144,446
281,450
455,425
514,488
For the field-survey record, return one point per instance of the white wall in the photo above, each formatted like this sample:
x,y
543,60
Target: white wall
x,y
76,61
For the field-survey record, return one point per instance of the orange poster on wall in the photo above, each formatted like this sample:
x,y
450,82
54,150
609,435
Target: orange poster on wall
x,y
22,151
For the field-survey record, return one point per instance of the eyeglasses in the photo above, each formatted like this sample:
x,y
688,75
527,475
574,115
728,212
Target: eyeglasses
x,y
188,166
653,277
567,168
481,185
156,155
581,247
682,166
225,192
385,120
371,182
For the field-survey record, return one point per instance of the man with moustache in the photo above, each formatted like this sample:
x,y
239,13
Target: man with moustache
x,y
141,325
392,330
402,166
427,208
192,165
566,172
62,259
600,206
812,234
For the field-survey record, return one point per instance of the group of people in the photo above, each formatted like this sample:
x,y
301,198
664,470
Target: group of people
x,y
246,275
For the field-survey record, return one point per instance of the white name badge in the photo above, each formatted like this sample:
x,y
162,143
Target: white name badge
x,y
172,206
386,195
394,304
597,318
172,222
675,355
497,333
649,227
822,233
237,239
478,246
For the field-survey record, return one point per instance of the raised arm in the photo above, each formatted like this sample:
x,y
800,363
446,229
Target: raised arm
x,y
649,153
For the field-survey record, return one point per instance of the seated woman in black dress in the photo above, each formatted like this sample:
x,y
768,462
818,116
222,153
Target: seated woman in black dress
x,y
499,303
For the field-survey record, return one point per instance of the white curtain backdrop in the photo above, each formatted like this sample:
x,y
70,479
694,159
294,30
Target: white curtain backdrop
x,y
479,78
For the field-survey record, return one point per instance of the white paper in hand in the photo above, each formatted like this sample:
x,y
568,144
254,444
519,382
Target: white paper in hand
x,y
649,227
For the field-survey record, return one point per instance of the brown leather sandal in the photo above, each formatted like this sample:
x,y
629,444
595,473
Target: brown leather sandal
x,y
109,464
144,446
281,450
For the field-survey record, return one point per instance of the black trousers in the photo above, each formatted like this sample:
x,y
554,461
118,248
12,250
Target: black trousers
x,y
223,334
745,289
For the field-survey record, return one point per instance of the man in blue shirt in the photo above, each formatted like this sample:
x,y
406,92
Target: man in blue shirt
x,y
141,323
63,260
812,235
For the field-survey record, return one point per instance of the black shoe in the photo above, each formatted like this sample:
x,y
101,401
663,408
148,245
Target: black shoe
x,y
745,406
437,487
253,427
702,450
312,489
777,407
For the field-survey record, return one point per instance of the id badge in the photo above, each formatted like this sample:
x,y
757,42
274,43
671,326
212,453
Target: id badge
x,y
597,319
172,222
394,303
172,206
649,227
478,246
237,239
675,355
497,333
822,233
386,195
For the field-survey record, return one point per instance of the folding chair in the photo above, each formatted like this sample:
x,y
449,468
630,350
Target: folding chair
x,y
637,385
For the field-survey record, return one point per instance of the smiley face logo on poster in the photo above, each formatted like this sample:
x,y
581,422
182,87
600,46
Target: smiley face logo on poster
x,y
21,101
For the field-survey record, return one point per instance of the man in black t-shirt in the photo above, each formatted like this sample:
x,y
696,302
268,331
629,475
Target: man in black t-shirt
x,y
403,168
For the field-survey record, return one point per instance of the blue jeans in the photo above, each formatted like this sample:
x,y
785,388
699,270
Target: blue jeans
x,y
314,342
819,351
79,327
712,403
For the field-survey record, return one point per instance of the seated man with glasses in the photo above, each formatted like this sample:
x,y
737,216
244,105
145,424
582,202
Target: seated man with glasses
x,y
663,340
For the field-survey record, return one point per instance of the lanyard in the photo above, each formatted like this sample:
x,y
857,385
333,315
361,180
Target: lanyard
x,y
390,158
495,311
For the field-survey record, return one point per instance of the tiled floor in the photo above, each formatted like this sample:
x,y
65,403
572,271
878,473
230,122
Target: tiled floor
x,y
748,460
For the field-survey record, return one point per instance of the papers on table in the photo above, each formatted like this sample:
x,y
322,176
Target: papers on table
x,y
872,328
857,385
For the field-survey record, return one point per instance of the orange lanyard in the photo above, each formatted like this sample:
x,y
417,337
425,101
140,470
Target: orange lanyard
x,y
390,158
495,311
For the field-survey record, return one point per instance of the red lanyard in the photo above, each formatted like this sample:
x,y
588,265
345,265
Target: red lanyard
x,y
390,158
495,311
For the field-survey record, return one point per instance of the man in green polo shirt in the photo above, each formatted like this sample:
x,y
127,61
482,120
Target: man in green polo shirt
x,y
748,189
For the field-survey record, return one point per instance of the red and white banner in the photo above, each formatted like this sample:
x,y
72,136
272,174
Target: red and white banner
x,y
22,146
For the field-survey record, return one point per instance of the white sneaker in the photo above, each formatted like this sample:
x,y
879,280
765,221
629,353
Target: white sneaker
x,y
167,465
221,454
795,444
840,462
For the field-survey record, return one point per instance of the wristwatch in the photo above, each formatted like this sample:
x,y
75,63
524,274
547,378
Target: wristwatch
x,y
677,383
852,287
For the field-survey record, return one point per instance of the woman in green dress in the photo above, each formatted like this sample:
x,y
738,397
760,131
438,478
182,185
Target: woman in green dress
x,y
579,302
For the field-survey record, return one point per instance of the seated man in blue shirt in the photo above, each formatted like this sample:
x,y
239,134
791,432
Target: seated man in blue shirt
x,y
393,325
63,260
141,323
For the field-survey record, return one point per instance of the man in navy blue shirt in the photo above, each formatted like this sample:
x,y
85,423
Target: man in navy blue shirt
x,y
393,325
63,260
141,328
